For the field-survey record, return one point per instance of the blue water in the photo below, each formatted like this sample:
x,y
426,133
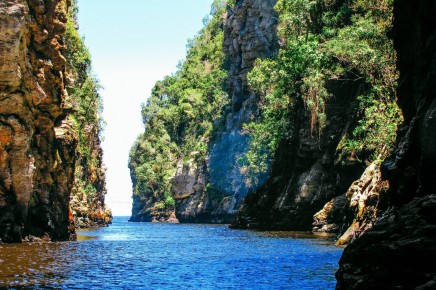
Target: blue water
x,y
167,256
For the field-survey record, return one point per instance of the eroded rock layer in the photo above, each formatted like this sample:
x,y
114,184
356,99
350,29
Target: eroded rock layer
x,y
38,137
399,252
36,153
249,34
305,174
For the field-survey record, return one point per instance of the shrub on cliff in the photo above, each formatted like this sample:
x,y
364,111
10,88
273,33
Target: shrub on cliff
x,y
87,197
323,41
180,116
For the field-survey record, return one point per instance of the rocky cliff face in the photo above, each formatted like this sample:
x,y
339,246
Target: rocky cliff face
x,y
37,140
306,174
84,105
36,147
354,213
213,191
312,169
399,252
203,183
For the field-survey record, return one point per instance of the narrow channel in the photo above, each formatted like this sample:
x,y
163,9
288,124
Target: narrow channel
x,y
156,255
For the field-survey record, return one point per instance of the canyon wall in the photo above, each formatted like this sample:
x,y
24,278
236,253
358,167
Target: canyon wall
x,y
399,251
37,149
306,173
310,167
84,106
249,34
37,135
207,185
339,118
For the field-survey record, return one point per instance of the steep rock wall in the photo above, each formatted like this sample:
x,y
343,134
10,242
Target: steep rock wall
x,y
399,252
306,175
84,106
36,149
213,191
38,133
354,213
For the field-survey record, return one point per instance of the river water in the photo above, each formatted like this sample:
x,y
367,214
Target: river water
x,y
155,256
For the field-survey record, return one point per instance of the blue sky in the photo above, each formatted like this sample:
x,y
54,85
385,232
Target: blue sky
x,y
133,44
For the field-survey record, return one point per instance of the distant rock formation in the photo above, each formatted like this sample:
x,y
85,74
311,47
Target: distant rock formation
x,y
249,34
211,190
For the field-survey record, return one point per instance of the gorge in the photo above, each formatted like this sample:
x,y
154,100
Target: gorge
x,y
314,116
307,139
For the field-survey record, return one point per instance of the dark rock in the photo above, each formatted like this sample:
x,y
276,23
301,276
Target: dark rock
x,y
212,192
35,158
305,175
399,252
331,217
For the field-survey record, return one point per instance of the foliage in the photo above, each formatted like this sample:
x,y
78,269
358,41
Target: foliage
x,y
323,41
86,108
180,115
375,132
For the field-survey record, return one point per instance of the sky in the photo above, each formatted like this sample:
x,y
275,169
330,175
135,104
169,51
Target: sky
x,y
133,43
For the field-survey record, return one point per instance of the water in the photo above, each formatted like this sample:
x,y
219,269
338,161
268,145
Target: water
x,y
154,256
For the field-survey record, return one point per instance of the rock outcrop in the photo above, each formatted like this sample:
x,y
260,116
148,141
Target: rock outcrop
x,y
213,191
306,174
354,213
37,137
84,106
399,251
207,185
36,153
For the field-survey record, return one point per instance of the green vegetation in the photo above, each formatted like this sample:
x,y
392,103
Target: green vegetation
x,y
180,116
321,42
85,103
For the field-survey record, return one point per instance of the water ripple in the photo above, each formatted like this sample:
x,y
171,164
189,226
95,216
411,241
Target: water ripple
x,y
162,256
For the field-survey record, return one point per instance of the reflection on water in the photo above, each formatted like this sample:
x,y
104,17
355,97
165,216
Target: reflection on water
x,y
167,256
298,235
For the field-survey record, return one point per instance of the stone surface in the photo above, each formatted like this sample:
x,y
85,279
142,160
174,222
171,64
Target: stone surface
x,y
249,33
352,214
37,137
399,251
330,218
306,175
35,162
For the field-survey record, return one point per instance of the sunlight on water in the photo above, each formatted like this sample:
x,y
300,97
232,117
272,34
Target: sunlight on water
x,y
155,256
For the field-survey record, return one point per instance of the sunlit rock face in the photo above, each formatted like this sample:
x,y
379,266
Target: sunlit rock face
x,y
353,214
400,250
213,191
36,153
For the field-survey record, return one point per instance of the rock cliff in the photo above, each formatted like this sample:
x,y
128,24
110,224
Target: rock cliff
x,y
205,182
329,179
36,149
310,165
84,106
306,173
216,187
399,251
37,138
